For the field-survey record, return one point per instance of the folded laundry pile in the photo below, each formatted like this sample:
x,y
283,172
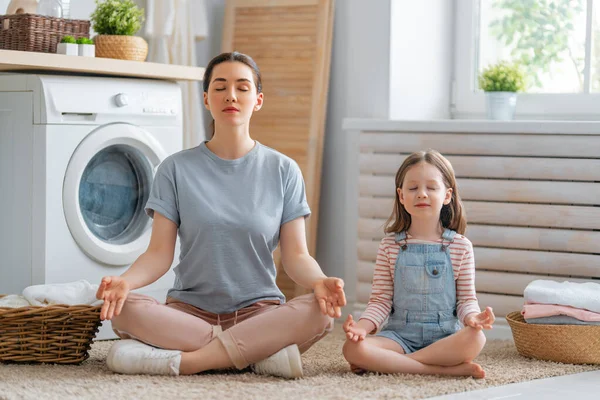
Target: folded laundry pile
x,y
562,303
71,293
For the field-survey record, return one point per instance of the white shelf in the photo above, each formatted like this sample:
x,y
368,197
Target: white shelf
x,y
25,61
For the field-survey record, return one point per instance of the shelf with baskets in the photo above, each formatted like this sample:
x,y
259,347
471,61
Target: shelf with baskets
x,y
17,61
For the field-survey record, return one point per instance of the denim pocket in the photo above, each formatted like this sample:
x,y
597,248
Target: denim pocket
x,y
449,326
424,279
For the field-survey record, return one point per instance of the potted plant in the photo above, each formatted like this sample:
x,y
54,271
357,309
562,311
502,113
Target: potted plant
x,y
86,47
115,22
501,82
67,46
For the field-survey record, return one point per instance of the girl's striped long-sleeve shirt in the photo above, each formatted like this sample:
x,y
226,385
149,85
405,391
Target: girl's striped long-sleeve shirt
x,y
382,293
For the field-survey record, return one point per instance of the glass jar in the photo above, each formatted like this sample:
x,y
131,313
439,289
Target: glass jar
x,y
50,8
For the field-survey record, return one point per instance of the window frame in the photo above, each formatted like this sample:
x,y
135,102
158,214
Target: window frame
x,y
469,103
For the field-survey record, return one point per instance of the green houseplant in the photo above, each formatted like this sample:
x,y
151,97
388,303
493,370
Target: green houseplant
x,y
116,22
501,82
86,47
67,46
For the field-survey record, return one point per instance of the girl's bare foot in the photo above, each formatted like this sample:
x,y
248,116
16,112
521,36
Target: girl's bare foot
x,y
357,370
467,369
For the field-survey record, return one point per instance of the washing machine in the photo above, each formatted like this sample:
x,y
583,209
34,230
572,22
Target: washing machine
x,y
77,159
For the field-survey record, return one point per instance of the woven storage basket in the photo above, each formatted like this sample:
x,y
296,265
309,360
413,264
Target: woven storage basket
x,y
52,334
572,344
133,48
31,32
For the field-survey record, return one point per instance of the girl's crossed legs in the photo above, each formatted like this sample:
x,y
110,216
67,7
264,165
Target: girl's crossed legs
x,y
452,355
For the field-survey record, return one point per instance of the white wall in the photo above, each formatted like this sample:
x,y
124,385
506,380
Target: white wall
x,y
358,87
421,52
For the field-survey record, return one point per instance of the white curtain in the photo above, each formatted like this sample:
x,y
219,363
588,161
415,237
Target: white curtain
x,y
171,28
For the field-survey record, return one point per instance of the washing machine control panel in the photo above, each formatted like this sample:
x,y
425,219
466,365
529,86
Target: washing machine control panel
x,y
132,100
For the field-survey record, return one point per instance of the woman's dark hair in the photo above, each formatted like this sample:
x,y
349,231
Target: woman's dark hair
x,y
230,57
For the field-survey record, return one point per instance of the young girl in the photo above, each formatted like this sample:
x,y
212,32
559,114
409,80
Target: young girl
x,y
231,200
423,281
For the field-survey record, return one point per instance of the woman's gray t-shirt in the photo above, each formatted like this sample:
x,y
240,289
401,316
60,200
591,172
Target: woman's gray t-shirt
x,y
229,213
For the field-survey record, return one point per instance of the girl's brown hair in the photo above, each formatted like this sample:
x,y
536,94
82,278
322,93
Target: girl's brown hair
x,y
230,57
452,215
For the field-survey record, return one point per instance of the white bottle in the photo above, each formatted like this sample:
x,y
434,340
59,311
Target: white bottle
x,y
66,8
50,8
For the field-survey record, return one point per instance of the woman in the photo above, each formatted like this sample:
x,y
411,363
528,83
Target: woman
x,y
231,200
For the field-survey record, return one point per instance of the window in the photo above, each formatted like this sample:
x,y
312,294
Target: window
x,y
557,42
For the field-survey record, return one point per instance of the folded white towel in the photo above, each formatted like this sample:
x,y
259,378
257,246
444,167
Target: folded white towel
x,y
578,295
13,301
72,293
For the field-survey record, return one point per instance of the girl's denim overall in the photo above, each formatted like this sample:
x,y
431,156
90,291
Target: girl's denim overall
x,y
424,306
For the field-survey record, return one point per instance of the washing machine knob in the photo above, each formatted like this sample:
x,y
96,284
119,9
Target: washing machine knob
x,y
121,100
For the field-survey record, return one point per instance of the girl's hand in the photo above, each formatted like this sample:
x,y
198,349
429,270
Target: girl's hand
x,y
353,331
113,290
482,320
330,295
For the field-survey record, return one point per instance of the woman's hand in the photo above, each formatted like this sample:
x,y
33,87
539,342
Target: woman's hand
x,y
353,330
482,320
113,290
330,295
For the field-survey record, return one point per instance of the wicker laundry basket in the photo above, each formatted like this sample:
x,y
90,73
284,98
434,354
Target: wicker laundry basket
x,y
53,334
32,32
572,344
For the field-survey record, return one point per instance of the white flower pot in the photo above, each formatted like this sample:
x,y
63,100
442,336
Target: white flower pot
x,y
501,105
69,49
87,50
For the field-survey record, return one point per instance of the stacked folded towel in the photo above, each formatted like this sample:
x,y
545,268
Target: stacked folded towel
x,y
562,303
72,293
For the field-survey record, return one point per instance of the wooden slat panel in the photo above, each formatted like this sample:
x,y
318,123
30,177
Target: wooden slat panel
x,y
516,214
364,271
363,292
509,237
367,250
537,262
534,238
369,207
371,229
513,283
587,193
557,169
502,304
529,261
247,6
577,146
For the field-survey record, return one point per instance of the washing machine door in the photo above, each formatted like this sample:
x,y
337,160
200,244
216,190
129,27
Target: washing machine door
x,y
106,187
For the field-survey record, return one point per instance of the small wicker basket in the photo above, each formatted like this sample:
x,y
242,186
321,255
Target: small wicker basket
x,y
571,344
53,334
31,32
132,48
